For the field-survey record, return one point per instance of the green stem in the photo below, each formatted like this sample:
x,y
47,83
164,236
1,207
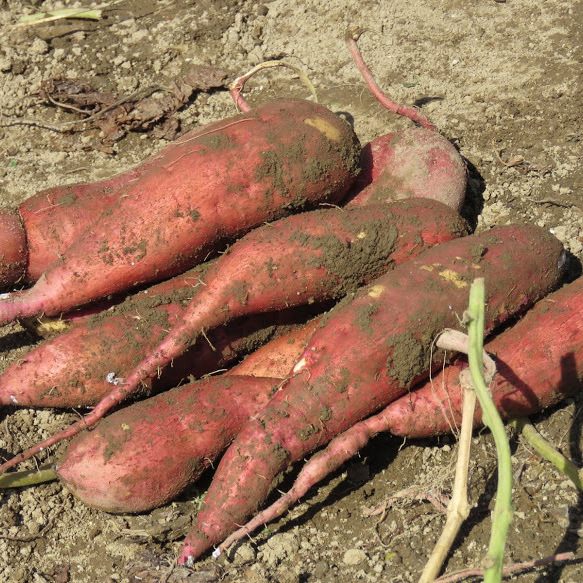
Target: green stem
x,y
60,14
27,478
503,511
547,451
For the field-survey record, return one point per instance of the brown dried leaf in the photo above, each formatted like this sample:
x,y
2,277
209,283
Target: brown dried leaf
x,y
139,112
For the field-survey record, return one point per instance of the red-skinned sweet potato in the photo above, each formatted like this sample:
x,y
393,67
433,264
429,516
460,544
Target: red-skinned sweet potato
x,y
70,369
276,358
225,180
107,473
416,162
368,353
132,462
530,377
412,163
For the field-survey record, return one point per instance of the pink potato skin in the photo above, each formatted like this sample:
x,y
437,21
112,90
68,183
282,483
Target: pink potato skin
x,y
538,364
131,462
280,158
413,163
389,325
45,225
277,358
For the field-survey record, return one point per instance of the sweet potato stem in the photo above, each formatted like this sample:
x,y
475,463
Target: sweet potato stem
x,y
239,83
502,514
548,452
412,113
28,478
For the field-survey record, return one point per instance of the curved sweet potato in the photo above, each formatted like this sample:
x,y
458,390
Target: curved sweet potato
x,y
70,370
104,468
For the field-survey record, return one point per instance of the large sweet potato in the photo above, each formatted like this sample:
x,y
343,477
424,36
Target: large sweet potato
x,y
368,353
225,180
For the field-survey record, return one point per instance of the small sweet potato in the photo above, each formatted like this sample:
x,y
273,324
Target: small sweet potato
x,y
412,163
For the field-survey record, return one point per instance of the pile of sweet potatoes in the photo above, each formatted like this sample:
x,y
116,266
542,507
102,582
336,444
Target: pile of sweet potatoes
x,y
274,235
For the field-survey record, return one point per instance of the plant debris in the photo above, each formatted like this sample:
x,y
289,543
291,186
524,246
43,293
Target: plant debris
x,y
149,109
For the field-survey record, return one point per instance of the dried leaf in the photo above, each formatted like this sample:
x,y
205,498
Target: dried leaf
x,y
115,116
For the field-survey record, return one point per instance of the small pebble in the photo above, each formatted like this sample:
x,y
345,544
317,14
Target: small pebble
x,y
354,557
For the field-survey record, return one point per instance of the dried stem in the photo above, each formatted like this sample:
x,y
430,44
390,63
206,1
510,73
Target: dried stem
x,y
239,83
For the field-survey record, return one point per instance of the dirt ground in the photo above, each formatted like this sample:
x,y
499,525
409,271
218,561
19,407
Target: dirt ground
x,y
501,80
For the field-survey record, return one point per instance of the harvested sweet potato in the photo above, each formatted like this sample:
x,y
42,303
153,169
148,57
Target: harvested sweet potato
x,y
368,353
302,259
70,369
222,181
412,163
132,462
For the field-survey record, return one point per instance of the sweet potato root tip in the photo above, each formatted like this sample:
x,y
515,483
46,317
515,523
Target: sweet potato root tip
x,y
13,248
390,325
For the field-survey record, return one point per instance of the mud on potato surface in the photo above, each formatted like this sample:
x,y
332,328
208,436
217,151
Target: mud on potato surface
x,y
502,80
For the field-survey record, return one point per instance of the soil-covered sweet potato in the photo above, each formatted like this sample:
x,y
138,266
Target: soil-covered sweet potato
x,y
369,352
222,181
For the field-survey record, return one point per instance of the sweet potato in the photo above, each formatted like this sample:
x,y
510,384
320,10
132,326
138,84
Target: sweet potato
x,y
225,180
103,468
369,352
531,375
412,163
538,363
43,227
298,260
144,455
47,223
277,357
69,370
